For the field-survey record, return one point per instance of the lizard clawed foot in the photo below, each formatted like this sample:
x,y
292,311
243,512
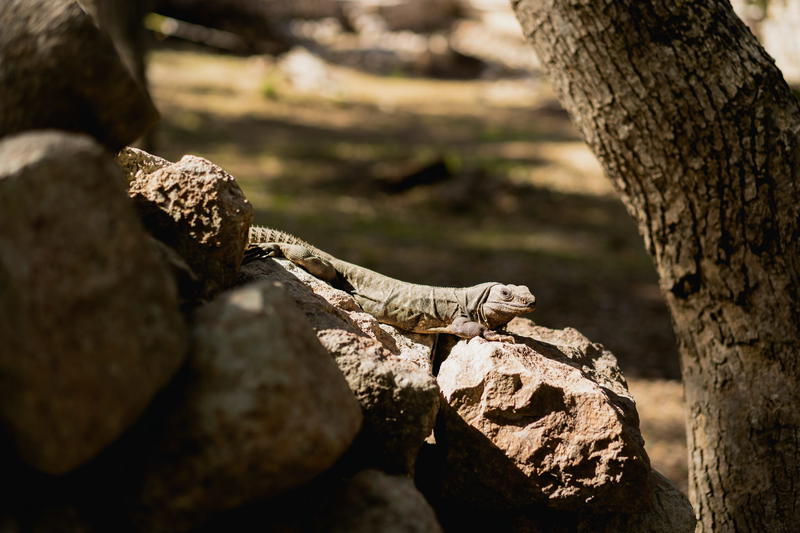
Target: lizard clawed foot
x,y
297,254
468,329
490,335
260,251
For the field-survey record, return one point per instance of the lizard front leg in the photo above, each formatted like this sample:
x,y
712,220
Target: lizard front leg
x,y
297,254
466,329
491,335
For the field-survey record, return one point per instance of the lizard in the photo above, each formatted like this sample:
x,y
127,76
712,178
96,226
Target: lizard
x,y
467,312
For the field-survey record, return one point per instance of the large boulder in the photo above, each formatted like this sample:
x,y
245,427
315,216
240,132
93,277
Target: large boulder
x,y
262,409
57,70
91,327
196,208
387,370
547,420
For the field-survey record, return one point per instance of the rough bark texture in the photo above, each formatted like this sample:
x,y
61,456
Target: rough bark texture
x,y
697,128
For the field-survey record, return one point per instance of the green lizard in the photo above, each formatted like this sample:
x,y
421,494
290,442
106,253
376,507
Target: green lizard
x,y
466,311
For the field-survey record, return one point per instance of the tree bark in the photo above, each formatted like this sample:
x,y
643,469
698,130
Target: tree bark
x,y
697,129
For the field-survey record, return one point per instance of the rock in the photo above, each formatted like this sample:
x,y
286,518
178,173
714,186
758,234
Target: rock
x,y
196,208
91,327
307,72
387,370
570,345
374,501
263,409
139,164
122,21
666,510
190,288
546,421
536,519
59,71
399,400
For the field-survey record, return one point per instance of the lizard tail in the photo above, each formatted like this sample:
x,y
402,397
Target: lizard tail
x,y
261,235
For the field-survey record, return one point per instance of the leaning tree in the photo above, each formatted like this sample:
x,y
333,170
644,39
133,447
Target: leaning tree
x,y
697,129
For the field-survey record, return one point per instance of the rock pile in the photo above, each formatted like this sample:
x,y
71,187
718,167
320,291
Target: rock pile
x,y
151,383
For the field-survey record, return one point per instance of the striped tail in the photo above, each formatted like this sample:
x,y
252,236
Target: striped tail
x,y
261,234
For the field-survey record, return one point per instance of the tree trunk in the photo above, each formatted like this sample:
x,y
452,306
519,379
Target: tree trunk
x,y
697,129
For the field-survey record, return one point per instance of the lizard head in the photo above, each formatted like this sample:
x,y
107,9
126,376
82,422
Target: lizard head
x,y
504,302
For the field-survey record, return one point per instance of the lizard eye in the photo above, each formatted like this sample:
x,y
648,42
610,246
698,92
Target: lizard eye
x,y
505,294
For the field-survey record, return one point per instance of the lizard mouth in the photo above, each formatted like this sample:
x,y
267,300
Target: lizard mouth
x,y
530,306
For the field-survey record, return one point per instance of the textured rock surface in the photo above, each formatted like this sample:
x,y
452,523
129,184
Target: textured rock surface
x,y
196,208
373,501
138,164
90,327
59,71
264,409
666,510
388,371
570,345
545,420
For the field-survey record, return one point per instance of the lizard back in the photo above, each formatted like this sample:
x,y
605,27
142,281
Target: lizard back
x,y
408,306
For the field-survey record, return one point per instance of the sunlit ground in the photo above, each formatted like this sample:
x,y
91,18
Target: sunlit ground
x,y
525,202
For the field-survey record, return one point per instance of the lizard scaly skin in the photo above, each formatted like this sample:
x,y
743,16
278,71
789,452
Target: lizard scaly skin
x,y
463,311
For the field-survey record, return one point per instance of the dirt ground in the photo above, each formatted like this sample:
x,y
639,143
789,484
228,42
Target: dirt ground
x,y
512,195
